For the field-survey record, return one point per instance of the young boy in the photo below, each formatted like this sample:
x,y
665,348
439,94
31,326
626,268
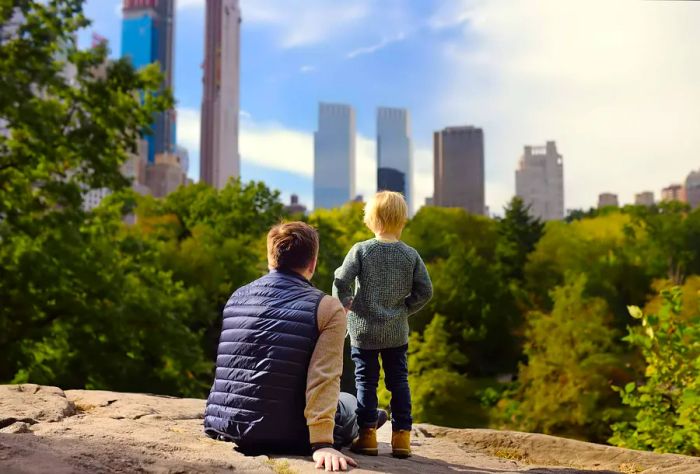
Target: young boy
x,y
391,283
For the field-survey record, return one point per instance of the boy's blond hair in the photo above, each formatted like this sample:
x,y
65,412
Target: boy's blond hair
x,y
386,212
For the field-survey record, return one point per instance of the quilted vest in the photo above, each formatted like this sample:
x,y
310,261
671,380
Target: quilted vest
x,y
259,393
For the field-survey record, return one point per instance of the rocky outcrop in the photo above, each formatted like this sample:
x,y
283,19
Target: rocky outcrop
x,y
44,429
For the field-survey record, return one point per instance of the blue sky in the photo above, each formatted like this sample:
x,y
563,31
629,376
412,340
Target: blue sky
x,y
620,98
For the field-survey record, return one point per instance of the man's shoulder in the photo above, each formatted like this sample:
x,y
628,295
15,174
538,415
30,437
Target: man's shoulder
x,y
330,308
329,304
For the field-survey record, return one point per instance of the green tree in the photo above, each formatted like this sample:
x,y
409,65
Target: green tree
x,y
602,249
671,245
64,137
84,303
92,308
666,404
212,241
339,230
564,387
518,233
434,365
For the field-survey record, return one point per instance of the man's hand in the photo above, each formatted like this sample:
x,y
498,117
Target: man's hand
x,y
332,460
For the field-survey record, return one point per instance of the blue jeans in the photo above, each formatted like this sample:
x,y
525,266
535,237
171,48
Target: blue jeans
x,y
395,365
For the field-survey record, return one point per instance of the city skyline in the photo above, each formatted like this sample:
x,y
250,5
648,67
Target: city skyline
x,y
501,67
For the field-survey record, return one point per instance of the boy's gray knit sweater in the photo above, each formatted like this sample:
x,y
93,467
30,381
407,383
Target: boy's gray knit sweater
x,y
391,283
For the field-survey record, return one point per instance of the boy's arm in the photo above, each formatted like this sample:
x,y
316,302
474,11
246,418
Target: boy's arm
x,y
345,275
325,368
422,289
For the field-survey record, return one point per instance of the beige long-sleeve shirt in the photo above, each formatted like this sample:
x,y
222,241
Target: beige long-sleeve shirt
x,y
325,368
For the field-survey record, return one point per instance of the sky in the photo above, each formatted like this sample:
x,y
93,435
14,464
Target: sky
x,y
616,83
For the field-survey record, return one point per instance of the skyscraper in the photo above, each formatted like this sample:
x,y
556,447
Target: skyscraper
x,y
147,37
334,156
645,198
608,200
394,151
459,168
539,181
674,192
692,189
219,158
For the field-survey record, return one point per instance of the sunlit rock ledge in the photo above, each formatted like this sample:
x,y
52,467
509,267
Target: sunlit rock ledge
x,y
44,429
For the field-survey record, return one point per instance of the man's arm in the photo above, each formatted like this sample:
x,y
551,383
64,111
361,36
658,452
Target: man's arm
x,y
422,289
325,368
345,277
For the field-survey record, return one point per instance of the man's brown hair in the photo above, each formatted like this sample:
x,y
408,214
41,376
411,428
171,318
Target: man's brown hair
x,y
291,246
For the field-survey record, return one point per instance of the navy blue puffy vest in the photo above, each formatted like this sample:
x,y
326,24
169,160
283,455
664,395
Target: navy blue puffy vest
x,y
259,393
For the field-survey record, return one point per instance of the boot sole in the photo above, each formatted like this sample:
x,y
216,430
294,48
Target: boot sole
x,y
366,451
402,454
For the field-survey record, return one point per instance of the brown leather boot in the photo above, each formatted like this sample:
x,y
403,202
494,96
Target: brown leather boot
x,y
401,444
367,442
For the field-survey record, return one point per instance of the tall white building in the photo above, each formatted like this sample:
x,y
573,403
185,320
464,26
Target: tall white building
x,y
334,156
394,152
184,157
539,181
219,157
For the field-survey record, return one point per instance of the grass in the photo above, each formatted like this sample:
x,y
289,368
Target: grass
x,y
280,466
630,468
511,454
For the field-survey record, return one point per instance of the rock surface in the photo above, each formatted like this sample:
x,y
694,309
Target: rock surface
x,y
43,429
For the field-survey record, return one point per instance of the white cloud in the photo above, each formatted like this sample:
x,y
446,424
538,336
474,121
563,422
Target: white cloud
x,y
450,14
183,4
614,83
307,68
422,176
375,47
188,130
305,22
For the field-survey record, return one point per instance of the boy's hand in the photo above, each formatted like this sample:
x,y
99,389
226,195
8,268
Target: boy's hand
x,y
332,460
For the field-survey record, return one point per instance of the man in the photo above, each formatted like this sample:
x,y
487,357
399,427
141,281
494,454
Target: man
x,y
280,357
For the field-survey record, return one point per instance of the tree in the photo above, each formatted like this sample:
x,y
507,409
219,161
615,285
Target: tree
x,y
666,404
434,366
564,387
64,137
212,241
92,308
518,233
84,303
602,249
339,230
672,233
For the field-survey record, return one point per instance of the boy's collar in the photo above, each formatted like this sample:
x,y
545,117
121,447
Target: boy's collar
x,y
386,239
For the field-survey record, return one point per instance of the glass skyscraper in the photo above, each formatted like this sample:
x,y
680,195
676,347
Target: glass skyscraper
x,y
394,152
147,37
334,156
